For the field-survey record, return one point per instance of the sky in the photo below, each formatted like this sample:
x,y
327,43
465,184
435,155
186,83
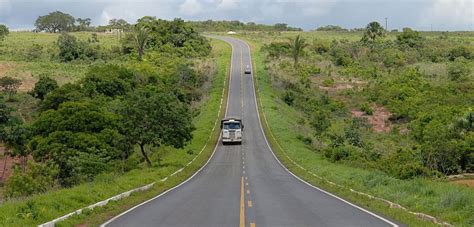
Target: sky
x,y
443,15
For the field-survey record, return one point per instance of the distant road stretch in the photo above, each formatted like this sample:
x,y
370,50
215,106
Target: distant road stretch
x,y
244,185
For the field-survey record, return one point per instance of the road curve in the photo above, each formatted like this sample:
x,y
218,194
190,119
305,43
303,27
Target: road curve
x,y
245,185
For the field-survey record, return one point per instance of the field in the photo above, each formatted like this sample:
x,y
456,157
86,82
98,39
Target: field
x,y
291,132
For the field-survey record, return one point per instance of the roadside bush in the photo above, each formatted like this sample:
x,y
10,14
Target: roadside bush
x,y
276,50
38,177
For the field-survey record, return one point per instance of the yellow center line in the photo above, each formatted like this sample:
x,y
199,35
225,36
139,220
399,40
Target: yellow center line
x,y
242,203
252,224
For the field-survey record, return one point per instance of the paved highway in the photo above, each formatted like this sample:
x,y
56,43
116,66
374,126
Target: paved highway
x,y
244,185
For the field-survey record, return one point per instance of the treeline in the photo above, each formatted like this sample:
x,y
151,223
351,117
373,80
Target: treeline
x,y
113,119
225,26
433,133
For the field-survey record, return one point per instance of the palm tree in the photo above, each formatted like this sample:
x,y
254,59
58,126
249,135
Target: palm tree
x,y
141,38
372,31
297,45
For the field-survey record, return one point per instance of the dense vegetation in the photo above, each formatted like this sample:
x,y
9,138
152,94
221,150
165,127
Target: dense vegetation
x,y
225,26
135,99
430,119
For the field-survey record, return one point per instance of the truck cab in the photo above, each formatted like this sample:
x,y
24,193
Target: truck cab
x,y
232,129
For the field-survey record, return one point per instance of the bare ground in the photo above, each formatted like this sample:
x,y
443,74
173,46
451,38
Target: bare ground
x,y
468,182
27,79
379,119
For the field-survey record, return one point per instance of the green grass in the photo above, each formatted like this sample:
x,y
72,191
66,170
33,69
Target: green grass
x,y
41,208
450,203
16,46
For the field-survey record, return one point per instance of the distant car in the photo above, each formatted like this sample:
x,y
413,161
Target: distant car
x,y
248,70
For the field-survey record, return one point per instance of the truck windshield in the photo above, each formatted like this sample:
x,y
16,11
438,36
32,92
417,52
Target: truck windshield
x,y
231,125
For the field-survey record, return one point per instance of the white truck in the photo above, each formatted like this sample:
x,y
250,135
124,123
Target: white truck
x,y
232,128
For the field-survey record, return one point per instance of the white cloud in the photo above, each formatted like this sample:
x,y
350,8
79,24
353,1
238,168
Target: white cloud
x,y
449,13
131,10
317,8
227,5
190,7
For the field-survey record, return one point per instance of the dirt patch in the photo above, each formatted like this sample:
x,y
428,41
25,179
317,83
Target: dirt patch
x,y
379,119
344,84
6,165
27,79
468,182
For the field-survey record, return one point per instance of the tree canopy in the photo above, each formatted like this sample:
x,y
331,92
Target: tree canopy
x,y
3,31
55,22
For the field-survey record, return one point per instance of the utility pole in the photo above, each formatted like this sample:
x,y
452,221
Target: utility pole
x,y
386,24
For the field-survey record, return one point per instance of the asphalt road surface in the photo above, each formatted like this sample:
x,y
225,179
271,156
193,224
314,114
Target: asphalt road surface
x,y
244,185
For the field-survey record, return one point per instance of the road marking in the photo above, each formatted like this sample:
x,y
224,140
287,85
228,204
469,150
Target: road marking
x,y
242,203
247,184
284,167
245,178
243,172
252,224
248,191
243,167
249,203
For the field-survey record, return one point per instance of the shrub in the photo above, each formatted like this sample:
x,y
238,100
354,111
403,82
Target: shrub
x,y
409,38
393,57
44,86
289,97
366,108
10,86
34,52
37,178
328,82
460,51
458,69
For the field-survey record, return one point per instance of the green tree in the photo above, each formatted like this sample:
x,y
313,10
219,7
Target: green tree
x,y
297,46
3,32
65,93
9,85
69,47
83,24
43,87
373,31
118,24
410,38
81,138
55,22
140,37
153,116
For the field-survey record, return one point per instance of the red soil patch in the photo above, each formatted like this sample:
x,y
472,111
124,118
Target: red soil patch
x,y
6,165
27,80
468,182
379,119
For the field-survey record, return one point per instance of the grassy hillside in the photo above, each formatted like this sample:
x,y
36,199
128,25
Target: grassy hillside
x,y
291,134
45,207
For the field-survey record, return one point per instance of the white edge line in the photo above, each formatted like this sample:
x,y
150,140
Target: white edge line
x,y
197,172
263,133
